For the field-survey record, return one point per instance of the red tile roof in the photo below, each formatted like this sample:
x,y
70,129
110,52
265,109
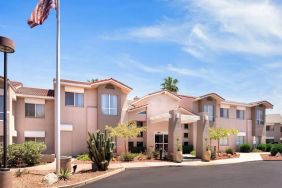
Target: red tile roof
x,y
35,92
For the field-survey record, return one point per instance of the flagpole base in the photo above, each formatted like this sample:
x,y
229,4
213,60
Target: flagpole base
x,y
6,177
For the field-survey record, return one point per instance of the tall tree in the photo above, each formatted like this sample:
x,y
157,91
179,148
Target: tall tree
x,y
126,131
93,80
170,84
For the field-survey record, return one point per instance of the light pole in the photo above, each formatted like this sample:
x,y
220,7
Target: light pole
x,y
6,46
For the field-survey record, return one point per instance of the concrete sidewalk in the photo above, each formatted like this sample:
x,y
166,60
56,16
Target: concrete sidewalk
x,y
244,157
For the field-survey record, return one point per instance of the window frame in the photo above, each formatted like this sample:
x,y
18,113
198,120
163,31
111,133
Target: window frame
x,y
140,124
238,114
35,111
259,117
184,135
109,108
186,126
35,139
224,113
74,99
209,108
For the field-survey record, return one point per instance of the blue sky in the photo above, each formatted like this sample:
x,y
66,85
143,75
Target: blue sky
x,y
230,47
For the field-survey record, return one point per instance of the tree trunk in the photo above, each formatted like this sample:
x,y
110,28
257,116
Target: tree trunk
x,y
217,146
125,150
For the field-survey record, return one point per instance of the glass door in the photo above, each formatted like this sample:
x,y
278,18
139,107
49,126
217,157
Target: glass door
x,y
161,142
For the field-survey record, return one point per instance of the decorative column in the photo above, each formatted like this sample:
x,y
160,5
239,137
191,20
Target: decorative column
x,y
175,136
202,135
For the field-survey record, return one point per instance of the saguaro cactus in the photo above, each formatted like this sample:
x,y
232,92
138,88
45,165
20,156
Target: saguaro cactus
x,y
100,146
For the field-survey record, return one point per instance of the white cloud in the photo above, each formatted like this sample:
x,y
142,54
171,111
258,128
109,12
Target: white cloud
x,y
237,26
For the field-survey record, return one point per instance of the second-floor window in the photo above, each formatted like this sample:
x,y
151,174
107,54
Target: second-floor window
x,y
240,114
259,117
209,110
224,112
1,107
140,124
34,110
109,104
74,99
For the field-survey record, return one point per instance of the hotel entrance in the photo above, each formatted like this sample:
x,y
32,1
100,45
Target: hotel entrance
x,y
161,142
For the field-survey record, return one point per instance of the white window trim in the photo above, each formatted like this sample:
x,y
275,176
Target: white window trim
x,y
74,101
35,110
109,108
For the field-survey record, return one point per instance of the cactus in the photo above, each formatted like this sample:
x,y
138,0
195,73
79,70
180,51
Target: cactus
x,y
100,146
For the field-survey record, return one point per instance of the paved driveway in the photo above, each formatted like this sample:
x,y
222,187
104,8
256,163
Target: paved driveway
x,y
243,175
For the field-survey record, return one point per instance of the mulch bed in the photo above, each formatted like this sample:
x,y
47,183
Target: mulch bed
x,y
267,157
226,156
34,178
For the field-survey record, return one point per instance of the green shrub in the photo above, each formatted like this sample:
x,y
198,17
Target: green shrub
x,y
229,151
32,152
187,149
275,149
193,153
137,149
255,150
83,157
26,154
264,147
268,147
156,154
128,156
246,148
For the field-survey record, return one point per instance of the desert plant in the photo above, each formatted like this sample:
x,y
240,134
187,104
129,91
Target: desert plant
x,y
229,151
126,131
275,149
100,147
187,149
128,156
64,174
255,150
246,148
83,157
156,154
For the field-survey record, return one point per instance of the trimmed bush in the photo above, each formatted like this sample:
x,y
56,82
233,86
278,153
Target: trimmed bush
x,y
137,149
26,154
128,156
187,149
264,147
229,151
246,148
275,149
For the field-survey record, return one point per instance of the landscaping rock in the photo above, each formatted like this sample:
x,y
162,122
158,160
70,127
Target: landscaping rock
x,y
50,179
278,155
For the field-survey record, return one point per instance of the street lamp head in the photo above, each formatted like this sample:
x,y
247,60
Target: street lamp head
x,y
7,45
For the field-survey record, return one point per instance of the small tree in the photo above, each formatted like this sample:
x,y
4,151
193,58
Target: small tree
x,y
218,133
125,131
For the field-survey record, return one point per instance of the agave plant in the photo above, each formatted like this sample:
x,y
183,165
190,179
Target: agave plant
x,y
100,146
64,175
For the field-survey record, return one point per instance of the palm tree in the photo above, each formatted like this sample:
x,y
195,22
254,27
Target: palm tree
x,y
93,80
170,84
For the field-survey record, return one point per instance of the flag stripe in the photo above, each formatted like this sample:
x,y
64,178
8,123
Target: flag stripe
x,y
40,13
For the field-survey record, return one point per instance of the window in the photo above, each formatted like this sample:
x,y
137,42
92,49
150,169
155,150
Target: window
x,y
139,144
269,141
186,126
140,124
35,139
240,140
267,128
223,141
34,110
209,109
259,118
74,99
130,146
109,104
224,112
185,143
281,129
240,114
142,113
185,135
1,107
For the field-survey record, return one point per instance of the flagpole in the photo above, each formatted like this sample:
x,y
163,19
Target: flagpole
x,y
57,92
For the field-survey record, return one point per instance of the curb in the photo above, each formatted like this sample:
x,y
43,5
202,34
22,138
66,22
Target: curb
x,y
85,182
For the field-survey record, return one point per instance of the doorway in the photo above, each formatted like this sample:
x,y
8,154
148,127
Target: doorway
x,y
161,142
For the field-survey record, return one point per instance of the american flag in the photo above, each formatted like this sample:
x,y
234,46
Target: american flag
x,y
41,12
